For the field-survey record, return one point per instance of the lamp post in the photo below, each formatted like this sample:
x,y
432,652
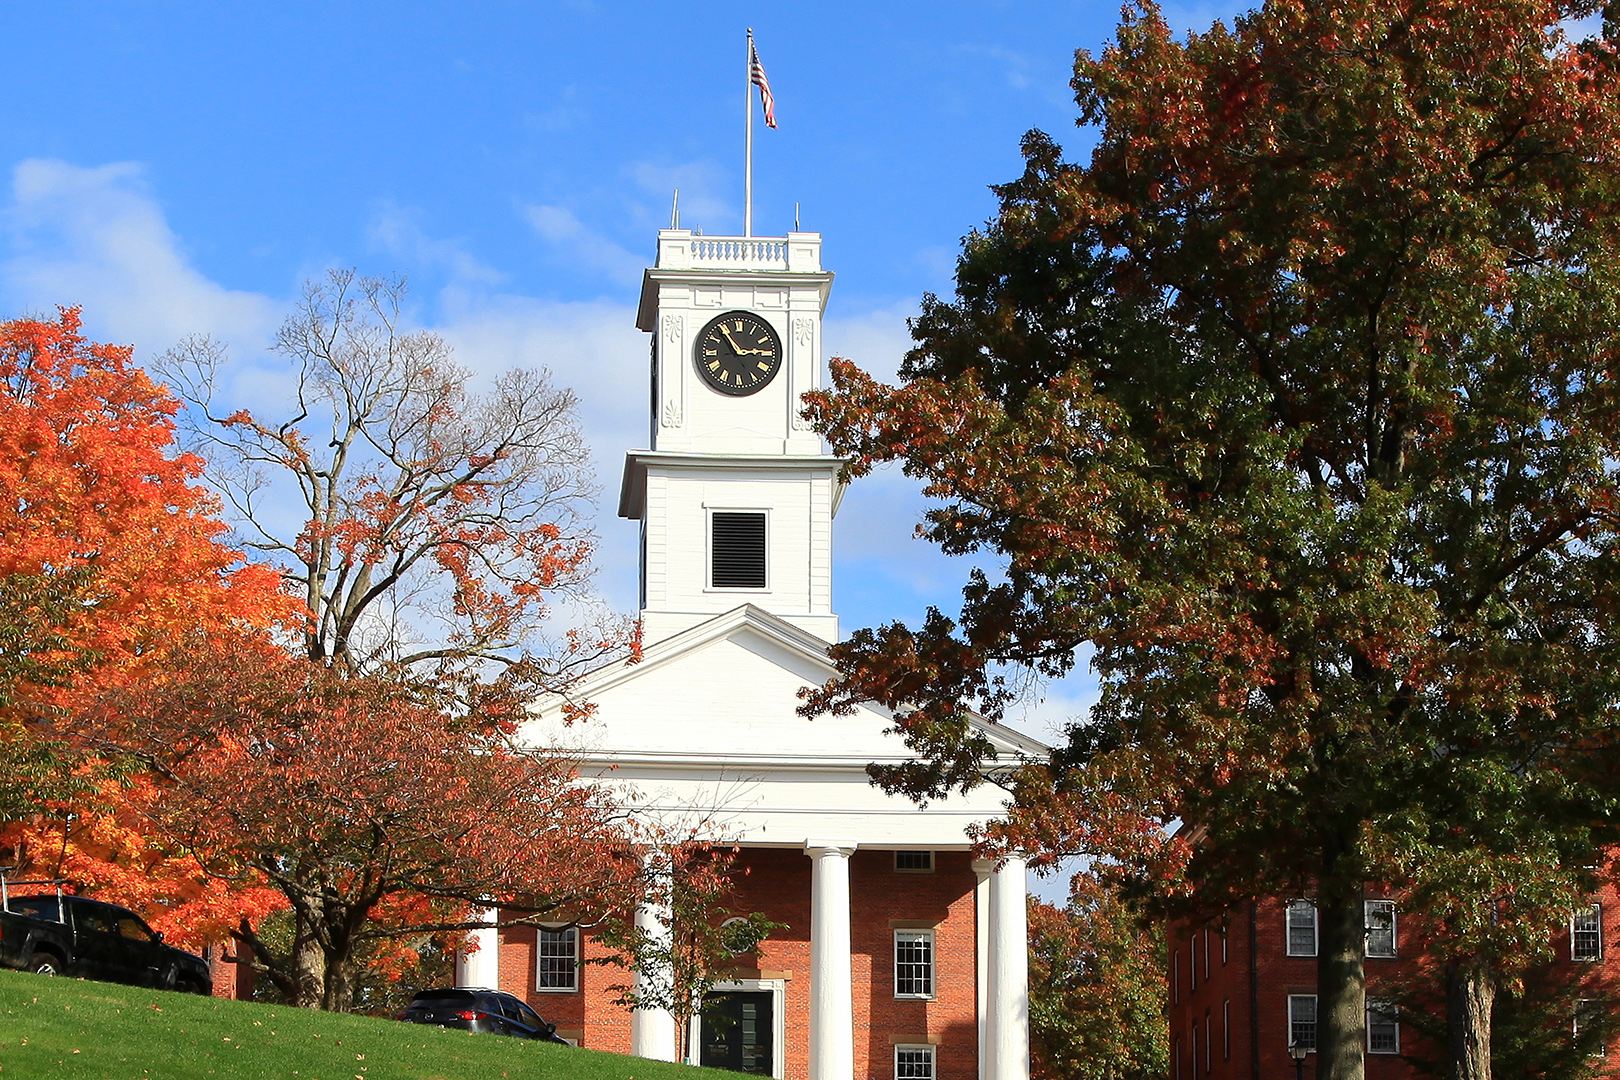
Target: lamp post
x,y
1297,1051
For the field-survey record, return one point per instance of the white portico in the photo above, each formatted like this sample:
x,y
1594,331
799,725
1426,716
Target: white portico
x,y
908,974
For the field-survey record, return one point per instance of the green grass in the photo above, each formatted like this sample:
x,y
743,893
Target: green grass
x,y
68,1029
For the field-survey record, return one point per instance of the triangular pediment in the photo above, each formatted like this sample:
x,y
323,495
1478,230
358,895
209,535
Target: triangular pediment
x,y
728,690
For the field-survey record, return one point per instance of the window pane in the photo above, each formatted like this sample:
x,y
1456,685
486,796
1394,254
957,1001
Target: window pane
x,y
914,860
1586,934
914,1063
1380,928
1302,1020
1301,928
913,962
1383,1034
557,954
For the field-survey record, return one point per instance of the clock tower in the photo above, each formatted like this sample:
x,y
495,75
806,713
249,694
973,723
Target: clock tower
x,y
736,496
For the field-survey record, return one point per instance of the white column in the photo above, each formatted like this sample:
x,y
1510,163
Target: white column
x,y
482,967
832,997
652,1031
981,956
1007,1027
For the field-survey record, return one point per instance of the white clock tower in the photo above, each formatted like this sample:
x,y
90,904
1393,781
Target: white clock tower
x,y
735,497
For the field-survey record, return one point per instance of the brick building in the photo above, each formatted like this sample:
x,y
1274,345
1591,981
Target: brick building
x,y
1243,991
902,958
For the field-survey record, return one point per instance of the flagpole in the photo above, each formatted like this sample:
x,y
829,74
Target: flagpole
x,y
748,153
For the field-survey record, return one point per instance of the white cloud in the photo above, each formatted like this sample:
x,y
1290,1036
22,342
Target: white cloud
x,y
96,237
559,227
395,230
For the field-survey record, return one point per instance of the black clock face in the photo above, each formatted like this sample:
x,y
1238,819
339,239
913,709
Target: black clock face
x,y
738,353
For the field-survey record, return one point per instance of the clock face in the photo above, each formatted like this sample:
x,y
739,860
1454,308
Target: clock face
x,y
738,353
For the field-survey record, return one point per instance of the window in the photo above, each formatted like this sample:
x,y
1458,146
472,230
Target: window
x,y
1175,977
1383,1030
914,862
914,963
1206,954
1192,968
1302,1021
1587,1026
1177,1057
1226,1029
1586,934
913,1063
1225,937
1208,1039
737,550
557,959
1301,928
1380,928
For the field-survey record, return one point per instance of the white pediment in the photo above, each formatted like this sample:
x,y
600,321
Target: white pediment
x,y
708,722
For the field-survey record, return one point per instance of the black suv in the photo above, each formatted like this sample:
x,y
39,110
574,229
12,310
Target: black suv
x,y
474,1009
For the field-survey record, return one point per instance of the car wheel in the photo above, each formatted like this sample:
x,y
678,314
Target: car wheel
x,y
45,964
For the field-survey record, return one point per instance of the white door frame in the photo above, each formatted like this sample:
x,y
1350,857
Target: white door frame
x,y
778,991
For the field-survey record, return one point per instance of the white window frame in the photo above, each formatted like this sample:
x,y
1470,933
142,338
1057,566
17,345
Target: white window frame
x,y
708,547
1310,1049
1368,907
1226,1029
1387,1008
572,934
1175,976
1575,952
925,1049
1226,939
1300,906
933,965
1206,954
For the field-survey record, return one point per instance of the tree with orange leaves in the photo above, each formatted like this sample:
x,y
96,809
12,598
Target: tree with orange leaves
x,y
372,804
110,552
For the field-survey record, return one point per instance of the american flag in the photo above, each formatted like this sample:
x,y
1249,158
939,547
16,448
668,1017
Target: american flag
x,y
756,75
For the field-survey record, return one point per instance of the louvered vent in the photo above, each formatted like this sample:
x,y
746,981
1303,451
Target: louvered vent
x,y
738,551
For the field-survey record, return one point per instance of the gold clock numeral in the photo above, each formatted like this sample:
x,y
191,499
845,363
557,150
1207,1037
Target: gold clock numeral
x,y
763,366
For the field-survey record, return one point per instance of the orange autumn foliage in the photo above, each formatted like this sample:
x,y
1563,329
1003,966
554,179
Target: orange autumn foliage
x,y
92,491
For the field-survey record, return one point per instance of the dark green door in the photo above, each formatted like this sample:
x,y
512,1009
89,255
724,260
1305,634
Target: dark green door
x,y
737,1031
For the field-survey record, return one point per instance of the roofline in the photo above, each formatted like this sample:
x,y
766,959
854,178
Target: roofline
x,y
633,485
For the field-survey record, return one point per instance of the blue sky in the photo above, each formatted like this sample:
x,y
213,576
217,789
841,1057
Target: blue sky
x,y
181,168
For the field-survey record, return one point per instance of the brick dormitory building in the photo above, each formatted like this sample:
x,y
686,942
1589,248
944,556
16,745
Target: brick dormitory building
x,y
1243,991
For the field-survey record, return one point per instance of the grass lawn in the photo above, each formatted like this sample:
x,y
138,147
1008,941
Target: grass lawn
x,y
72,1029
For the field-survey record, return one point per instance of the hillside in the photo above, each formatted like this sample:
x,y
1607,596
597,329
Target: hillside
x,y
67,1029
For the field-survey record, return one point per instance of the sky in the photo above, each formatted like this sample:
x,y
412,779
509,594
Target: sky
x,y
182,168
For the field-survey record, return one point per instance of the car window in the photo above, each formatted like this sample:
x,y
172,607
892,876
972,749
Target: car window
x,y
509,1007
36,908
131,927
95,919
528,1016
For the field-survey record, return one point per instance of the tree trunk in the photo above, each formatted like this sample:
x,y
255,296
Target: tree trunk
x,y
1341,1002
339,994
1470,991
308,965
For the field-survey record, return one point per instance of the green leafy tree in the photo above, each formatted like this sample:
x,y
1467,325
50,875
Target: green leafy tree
x,y
1096,988
703,943
1297,406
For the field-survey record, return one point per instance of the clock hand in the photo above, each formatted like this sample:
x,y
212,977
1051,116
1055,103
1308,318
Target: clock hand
x,y
738,349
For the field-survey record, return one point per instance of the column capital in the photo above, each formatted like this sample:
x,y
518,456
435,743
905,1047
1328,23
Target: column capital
x,y
842,848
983,867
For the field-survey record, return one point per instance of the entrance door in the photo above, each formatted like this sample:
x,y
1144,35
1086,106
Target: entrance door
x,y
737,1031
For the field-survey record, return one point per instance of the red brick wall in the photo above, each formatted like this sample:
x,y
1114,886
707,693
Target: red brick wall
x,y
1259,975
777,883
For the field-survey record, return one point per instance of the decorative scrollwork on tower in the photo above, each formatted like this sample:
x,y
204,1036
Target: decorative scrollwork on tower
x,y
804,362
670,413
